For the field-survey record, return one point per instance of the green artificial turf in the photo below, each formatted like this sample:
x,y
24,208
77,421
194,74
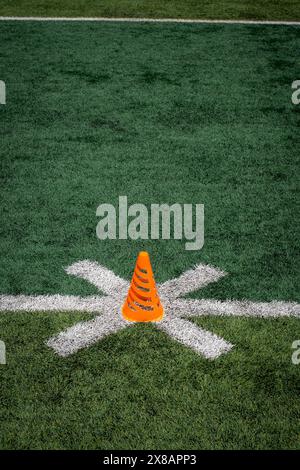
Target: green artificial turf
x,y
220,9
160,113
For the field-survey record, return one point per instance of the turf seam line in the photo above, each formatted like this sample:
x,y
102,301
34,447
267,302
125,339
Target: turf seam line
x,y
149,20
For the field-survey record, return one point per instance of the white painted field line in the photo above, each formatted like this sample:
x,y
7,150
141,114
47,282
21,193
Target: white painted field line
x,y
234,308
50,303
109,319
102,278
190,281
203,342
148,20
85,334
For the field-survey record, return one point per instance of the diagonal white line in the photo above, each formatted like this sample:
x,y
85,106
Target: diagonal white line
x,y
190,281
52,303
101,277
87,333
243,308
203,342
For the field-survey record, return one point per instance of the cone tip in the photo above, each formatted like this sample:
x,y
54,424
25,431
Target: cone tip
x,y
143,254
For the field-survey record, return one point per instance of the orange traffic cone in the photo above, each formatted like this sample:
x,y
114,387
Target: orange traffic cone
x,y
142,303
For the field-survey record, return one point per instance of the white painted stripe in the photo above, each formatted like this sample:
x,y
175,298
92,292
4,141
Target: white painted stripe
x,y
203,342
244,308
190,281
51,303
101,277
84,334
178,307
111,321
149,20
87,333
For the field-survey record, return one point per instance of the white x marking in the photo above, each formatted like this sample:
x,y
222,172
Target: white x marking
x,y
109,319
